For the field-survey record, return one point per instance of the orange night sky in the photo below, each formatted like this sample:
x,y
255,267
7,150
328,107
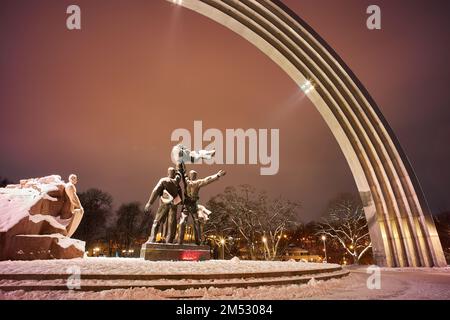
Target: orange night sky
x,y
102,102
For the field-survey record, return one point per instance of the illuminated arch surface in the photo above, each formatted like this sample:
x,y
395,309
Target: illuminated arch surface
x,y
400,224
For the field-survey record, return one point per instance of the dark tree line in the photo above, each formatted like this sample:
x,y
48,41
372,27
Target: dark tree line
x,y
4,182
118,229
442,222
132,224
97,211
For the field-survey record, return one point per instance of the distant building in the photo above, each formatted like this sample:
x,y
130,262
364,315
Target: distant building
x,y
299,254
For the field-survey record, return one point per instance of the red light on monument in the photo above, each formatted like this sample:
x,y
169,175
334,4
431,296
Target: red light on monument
x,y
190,255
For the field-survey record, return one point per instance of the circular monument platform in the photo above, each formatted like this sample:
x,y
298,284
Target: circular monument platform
x,y
98,274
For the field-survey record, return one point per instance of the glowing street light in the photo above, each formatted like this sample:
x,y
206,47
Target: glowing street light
x,y
96,250
222,248
324,238
264,240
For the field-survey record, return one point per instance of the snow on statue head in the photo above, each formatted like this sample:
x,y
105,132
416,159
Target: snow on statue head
x,y
73,179
181,154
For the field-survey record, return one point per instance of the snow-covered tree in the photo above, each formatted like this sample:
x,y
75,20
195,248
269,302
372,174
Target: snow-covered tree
x,y
280,215
234,212
251,215
346,224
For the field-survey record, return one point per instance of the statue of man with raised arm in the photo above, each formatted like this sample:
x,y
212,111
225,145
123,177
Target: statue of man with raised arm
x,y
191,206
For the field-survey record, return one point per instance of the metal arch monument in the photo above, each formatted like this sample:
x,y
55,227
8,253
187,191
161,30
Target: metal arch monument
x,y
400,223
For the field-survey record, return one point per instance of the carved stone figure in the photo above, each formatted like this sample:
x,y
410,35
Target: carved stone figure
x,y
75,205
37,218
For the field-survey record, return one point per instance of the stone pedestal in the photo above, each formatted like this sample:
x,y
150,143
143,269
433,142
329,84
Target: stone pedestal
x,y
175,252
41,247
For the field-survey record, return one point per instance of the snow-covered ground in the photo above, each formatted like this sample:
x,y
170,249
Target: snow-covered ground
x,y
91,265
395,285
417,283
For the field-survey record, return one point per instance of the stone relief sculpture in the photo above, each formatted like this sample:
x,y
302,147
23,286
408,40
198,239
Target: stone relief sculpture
x,y
75,205
37,218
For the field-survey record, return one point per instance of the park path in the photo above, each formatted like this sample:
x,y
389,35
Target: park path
x,y
423,284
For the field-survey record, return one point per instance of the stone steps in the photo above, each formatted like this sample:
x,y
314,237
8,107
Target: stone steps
x,y
206,276
52,282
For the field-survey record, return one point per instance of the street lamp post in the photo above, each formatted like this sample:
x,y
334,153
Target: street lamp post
x,y
222,245
264,240
325,247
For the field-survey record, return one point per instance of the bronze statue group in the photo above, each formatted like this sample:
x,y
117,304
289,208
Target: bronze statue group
x,y
179,189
